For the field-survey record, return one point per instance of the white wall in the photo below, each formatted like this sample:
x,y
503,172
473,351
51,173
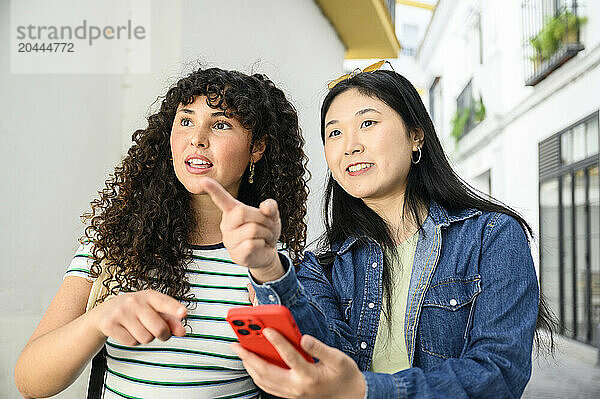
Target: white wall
x,y
62,134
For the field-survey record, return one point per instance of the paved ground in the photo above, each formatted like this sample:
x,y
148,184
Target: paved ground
x,y
571,374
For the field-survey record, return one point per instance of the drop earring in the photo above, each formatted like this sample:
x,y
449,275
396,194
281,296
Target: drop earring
x,y
251,176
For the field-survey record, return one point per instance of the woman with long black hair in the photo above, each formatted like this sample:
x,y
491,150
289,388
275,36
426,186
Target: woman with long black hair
x,y
426,287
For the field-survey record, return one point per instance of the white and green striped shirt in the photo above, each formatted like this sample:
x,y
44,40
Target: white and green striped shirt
x,y
199,365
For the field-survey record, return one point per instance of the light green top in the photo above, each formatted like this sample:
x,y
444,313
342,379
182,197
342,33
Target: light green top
x,y
390,354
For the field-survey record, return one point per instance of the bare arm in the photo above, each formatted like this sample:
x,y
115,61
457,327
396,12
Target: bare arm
x,y
63,337
68,337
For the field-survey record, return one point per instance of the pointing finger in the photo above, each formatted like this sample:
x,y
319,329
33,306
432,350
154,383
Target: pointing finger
x,y
219,195
165,304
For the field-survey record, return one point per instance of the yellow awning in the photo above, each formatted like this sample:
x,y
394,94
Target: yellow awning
x,y
364,26
418,4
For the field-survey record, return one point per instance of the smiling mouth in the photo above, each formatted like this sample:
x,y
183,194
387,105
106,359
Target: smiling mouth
x,y
199,164
359,166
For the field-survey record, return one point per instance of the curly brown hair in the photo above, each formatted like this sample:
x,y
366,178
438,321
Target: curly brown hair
x,y
143,219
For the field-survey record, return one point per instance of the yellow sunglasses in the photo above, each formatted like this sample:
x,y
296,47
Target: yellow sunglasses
x,y
370,68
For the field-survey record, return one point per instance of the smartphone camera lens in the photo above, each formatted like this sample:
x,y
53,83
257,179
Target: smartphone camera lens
x,y
243,332
254,326
238,323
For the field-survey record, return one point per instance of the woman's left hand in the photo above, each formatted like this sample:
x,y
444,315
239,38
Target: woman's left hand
x,y
336,375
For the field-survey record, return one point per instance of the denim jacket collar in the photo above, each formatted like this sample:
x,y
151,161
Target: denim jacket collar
x,y
438,214
443,217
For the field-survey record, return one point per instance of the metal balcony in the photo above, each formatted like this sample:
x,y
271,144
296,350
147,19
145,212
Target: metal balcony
x,y
551,30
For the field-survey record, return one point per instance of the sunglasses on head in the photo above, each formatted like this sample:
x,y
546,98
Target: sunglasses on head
x,y
371,68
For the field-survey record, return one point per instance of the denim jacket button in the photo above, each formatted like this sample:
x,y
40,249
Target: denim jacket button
x,y
271,298
453,302
371,305
374,265
363,345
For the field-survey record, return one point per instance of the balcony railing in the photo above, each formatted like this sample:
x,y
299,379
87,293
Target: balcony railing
x,y
551,30
408,51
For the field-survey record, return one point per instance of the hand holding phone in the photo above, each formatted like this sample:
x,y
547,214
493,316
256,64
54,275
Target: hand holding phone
x,y
249,322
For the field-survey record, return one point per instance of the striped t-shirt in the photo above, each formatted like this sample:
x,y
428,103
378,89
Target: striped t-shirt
x,y
199,365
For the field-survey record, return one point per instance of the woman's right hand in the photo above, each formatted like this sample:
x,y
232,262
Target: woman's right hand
x,y
138,317
67,337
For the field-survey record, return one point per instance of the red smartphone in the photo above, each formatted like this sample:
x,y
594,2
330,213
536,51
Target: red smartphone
x,y
248,323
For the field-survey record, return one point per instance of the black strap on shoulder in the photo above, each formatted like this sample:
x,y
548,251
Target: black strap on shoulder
x,y
96,384
265,395
326,261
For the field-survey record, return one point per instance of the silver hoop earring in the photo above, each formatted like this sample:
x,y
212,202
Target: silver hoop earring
x,y
419,159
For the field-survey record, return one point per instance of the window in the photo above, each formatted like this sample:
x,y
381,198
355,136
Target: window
x,y
570,228
483,182
579,142
435,103
410,39
479,39
549,234
465,105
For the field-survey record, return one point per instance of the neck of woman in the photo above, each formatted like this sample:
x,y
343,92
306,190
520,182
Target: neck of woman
x,y
401,222
208,216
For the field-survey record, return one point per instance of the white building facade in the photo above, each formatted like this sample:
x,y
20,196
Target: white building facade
x,y
512,87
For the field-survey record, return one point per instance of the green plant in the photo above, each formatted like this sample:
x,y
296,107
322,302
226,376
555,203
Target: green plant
x,y
479,110
555,32
567,32
458,123
461,117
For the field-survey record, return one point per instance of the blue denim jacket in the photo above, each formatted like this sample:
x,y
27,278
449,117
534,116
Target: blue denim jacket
x,y
470,316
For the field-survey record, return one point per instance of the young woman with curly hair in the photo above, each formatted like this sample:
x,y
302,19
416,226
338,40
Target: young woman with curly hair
x,y
154,238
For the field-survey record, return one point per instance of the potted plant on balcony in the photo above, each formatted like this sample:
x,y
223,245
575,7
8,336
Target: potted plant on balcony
x,y
566,31
546,42
555,33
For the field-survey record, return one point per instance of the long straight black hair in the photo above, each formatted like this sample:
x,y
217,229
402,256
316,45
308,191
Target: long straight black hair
x,y
431,179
